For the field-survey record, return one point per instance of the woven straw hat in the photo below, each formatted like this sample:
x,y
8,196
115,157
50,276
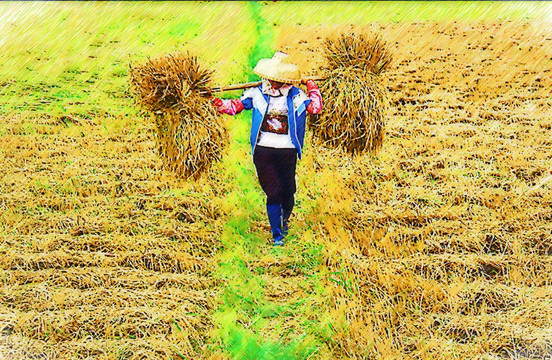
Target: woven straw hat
x,y
278,68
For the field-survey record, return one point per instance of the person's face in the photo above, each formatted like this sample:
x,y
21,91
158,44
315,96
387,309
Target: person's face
x,y
275,84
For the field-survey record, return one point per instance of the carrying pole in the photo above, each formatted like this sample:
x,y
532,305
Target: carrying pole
x,y
237,87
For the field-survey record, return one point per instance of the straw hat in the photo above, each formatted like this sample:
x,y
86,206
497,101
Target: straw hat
x,y
278,68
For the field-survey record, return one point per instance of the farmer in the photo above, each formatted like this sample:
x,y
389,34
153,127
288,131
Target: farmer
x,y
277,132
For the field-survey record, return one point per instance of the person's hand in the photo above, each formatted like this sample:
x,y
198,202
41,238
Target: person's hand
x,y
216,101
304,80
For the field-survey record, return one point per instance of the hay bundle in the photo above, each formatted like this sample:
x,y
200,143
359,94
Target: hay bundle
x,y
356,100
190,132
165,82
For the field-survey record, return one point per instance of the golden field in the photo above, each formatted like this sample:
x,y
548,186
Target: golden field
x,y
436,247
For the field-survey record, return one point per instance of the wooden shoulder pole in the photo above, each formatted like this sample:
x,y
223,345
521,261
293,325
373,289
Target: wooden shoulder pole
x,y
230,87
236,87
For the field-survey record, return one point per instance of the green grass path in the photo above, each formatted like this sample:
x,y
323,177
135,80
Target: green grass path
x,y
270,307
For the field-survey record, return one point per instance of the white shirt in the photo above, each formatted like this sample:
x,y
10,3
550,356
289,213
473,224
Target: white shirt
x,y
275,127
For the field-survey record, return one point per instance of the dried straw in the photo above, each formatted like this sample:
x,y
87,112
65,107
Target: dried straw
x,y
166,82
356,100
362,51
190,132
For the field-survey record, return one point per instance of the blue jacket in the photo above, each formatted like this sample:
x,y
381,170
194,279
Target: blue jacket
x,y
297,103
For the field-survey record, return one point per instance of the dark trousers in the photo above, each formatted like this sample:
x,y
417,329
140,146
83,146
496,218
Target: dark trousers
x,y
276,173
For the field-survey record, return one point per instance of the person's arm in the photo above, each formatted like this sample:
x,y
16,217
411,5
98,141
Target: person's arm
x,y
234,106
315,105
228,106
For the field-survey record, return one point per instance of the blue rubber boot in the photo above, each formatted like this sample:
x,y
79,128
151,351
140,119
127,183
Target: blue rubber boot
x,y
285,227
287,208
275,219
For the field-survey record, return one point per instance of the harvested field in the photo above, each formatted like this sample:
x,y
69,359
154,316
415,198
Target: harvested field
x,y
437,246
445,235
97,247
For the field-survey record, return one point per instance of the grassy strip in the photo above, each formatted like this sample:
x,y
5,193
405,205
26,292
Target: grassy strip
x,y
244,307
250,323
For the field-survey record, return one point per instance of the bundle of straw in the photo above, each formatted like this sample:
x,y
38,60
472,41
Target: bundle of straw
x,y
190,132
165,82
356,100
